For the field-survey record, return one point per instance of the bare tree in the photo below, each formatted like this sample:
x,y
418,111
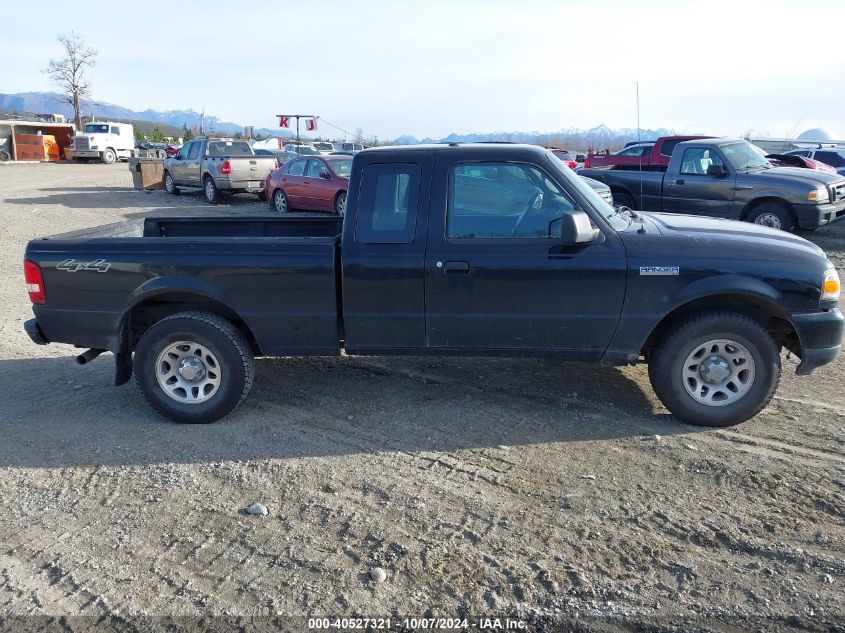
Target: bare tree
x,y
68,73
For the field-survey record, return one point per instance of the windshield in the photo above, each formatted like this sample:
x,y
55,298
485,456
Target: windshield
x,y
324,146
96,128
744,156
613,217
302,150
342,167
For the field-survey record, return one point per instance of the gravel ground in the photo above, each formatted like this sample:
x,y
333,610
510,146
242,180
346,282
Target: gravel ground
x,y
530,489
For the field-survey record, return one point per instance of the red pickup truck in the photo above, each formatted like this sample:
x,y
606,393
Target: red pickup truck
x,y
645,154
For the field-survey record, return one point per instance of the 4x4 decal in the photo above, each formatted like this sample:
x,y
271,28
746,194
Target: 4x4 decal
x,y
73,266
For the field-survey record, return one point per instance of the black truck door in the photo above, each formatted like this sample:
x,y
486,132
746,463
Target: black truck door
x,y
693,190
384,254
496,280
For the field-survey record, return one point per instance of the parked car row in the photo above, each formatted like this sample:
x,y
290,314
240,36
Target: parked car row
x,y
728,178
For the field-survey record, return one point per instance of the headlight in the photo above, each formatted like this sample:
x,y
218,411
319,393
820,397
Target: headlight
x,y
830,285
819,196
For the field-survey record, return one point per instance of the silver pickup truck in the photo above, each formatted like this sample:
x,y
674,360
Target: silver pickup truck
x,y
217,166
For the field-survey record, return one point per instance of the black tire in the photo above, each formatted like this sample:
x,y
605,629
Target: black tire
x,y
340,203
773,215
109,156
279,201
231,351
170,184
624,200
5,156
212,193
667,360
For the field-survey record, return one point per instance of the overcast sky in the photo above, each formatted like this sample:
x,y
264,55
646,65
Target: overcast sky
x,y
433,67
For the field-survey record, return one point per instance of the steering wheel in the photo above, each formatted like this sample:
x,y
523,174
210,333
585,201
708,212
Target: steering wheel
x,y
536,202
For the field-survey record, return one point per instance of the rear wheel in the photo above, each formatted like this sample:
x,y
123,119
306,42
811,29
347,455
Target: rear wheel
x,y
109,156
194,367
170,184
340,204
773,215
715,369
624,200
212,193
280,201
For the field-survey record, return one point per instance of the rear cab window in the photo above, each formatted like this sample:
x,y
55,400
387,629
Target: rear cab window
x,y
229,148
387,203
669,146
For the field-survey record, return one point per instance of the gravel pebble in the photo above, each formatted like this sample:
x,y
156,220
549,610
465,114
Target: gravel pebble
x,y
257,508
377,574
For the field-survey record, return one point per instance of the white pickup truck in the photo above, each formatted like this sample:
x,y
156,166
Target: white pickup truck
x,y
217,166
104,140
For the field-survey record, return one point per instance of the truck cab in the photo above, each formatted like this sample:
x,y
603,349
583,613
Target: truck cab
x,y
106,141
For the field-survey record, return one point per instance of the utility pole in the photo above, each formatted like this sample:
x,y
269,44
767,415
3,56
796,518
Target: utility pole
x,y
202,121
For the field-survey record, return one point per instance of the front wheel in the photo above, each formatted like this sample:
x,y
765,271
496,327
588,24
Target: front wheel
x,y
715,369
109,157
212,193
340,204
194,367
773,215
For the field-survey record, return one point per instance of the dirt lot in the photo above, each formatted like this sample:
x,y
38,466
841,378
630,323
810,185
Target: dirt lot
x,y
531,489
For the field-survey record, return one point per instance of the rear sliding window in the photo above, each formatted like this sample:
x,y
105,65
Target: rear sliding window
x,y
229,148
387,203
668,146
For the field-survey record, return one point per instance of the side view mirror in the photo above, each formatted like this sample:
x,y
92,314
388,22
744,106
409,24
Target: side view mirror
x,y
716,170
574,228
325,175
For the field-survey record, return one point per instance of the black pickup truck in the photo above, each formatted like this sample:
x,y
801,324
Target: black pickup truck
x,y
466,250
729,178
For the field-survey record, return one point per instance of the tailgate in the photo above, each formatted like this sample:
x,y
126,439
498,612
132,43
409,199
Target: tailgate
x,y
251,168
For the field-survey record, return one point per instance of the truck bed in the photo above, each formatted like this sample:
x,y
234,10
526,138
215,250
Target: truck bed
x,y
279,274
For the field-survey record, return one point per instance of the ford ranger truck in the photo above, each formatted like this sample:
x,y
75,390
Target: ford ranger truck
x,y
469,250
730,178
218,166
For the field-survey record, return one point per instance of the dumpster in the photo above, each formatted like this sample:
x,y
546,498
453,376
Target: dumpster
x,y
147,173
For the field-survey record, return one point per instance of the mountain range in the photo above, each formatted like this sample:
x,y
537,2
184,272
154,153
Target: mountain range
x,y
599,137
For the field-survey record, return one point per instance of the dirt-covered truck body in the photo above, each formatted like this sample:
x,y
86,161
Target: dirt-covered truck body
x,y
467,250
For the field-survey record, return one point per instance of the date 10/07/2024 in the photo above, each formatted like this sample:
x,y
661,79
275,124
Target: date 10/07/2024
x,y
460,624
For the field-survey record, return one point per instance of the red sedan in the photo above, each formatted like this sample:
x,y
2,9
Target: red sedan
x,y
317,183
